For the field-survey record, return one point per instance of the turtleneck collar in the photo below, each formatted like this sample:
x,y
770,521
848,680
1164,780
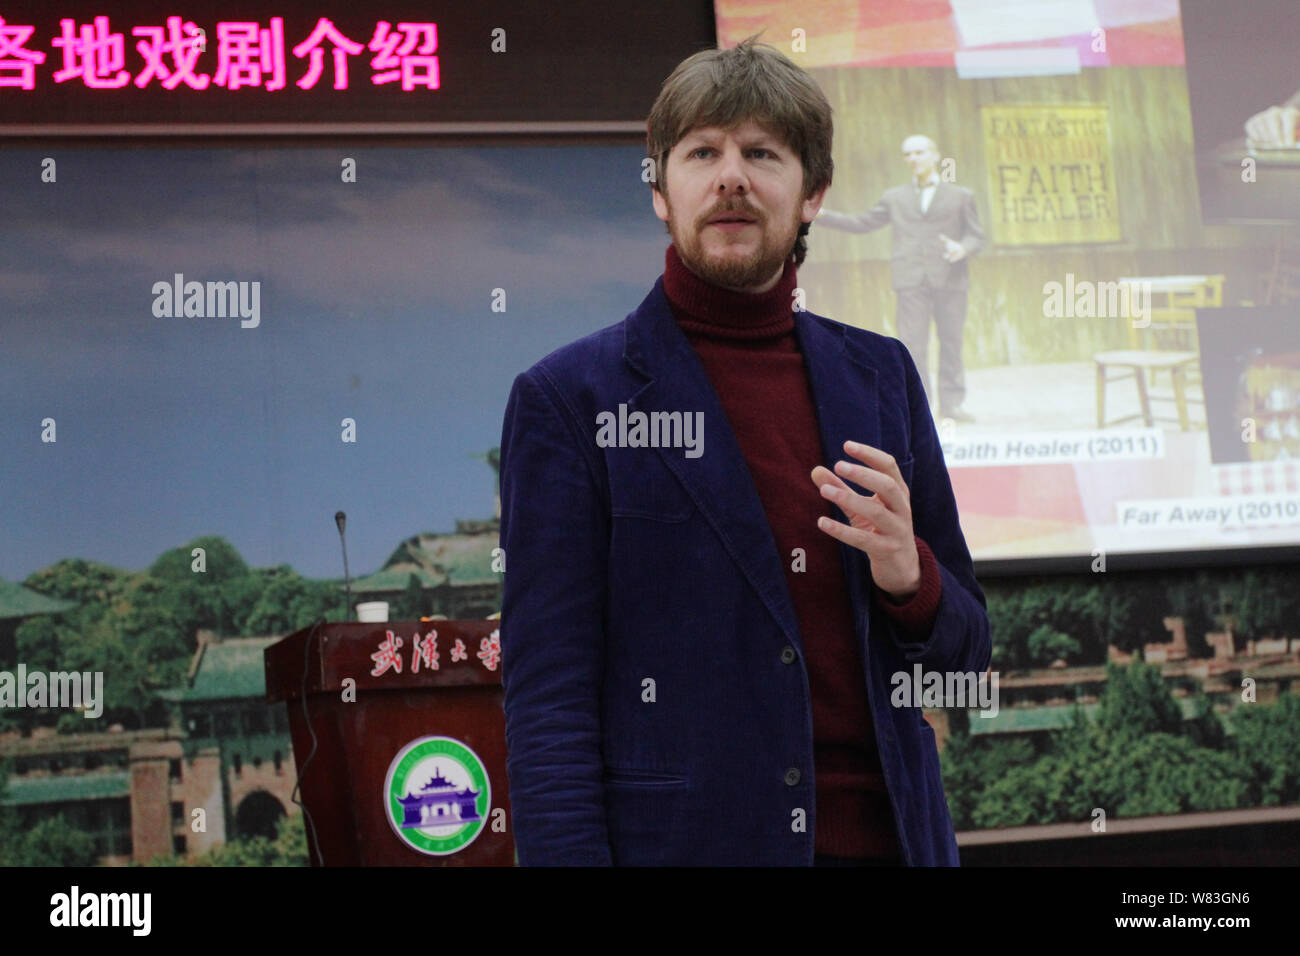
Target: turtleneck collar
x,y
709,309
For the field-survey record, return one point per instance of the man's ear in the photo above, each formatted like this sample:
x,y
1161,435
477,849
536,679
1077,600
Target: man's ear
x,y
660,204
813,204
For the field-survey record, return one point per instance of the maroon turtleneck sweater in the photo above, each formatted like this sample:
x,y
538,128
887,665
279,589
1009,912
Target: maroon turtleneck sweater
x,y
748,347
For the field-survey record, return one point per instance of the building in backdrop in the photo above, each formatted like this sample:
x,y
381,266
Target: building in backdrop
x,y
223,768
455,574
226,754
17,603
235,756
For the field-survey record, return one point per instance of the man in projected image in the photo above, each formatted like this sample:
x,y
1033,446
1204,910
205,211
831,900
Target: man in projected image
x,y
697,649
936,227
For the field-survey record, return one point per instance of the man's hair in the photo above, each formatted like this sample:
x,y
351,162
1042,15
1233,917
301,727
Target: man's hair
x,y
725,88
933,145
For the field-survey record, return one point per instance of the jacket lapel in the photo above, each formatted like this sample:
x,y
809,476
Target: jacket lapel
x,y
940,196
843,383
842,376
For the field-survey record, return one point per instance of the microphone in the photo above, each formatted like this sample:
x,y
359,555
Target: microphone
x,y
341,520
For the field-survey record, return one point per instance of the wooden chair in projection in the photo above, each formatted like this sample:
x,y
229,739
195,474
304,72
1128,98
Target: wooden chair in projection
x,y
1165,342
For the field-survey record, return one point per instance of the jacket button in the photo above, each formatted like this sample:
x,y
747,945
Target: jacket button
x,y
788,655
792,776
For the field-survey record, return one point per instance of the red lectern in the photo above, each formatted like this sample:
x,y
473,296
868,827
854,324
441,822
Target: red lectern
x,y
408,764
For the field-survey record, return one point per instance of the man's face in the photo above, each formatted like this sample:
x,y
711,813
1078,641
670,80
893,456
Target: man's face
x,y
920,155
746,174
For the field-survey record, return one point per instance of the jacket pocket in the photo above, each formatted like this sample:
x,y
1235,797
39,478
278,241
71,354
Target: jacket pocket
x,y
648,817
627,777
905,469
648,515
646,488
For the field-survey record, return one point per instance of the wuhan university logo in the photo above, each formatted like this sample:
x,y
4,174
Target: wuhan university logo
x,y
437,795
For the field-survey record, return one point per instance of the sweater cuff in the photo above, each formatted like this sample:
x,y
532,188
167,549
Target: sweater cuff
x,y
918,614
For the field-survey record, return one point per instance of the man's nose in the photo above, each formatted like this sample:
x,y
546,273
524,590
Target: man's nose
x,y
731,171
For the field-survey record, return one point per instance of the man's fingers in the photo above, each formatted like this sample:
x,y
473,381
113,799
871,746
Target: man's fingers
x,y
1257,129
876,458
1275,126
862,540
881,509
821,475
879,517
864,476
851,506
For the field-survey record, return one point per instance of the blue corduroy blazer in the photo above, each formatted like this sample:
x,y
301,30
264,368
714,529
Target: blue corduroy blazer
x,y
657,704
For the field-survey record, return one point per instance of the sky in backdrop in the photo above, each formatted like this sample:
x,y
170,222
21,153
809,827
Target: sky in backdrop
x,y
375,305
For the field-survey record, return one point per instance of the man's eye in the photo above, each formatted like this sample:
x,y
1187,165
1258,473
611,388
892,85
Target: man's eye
x,y
756,149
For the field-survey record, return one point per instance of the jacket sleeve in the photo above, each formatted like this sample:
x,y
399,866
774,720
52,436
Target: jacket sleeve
x,y
960,638
874,218
916,615
555,534
972,233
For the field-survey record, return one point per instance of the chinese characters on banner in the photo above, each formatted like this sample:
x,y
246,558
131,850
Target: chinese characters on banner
x,y
424,653
245,54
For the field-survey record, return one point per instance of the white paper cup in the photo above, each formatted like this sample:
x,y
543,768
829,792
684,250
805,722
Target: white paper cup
x,y
372,611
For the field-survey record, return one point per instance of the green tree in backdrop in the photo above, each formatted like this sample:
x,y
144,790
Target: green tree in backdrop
x,y
1137,758
139,629
289,848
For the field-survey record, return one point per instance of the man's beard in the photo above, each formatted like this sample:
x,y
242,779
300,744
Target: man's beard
x,y
727,269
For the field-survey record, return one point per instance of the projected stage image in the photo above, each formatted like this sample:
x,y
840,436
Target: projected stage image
x,y
1016,198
